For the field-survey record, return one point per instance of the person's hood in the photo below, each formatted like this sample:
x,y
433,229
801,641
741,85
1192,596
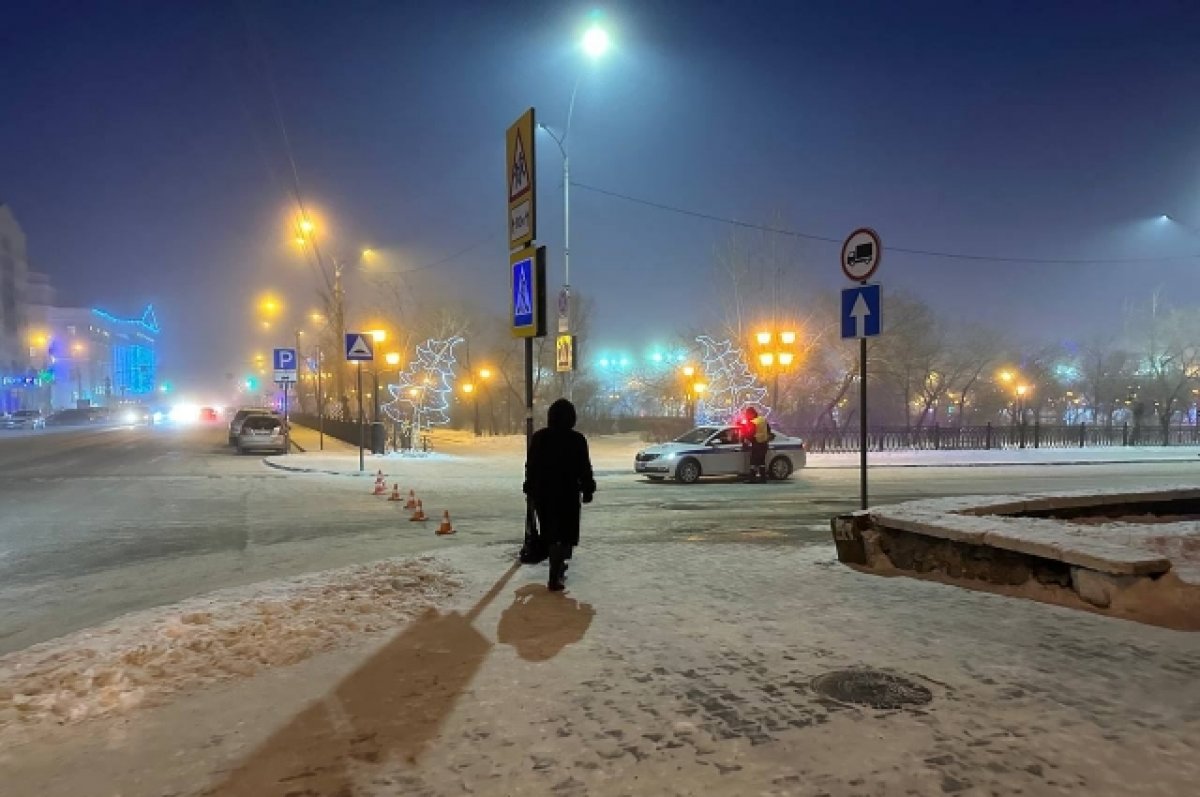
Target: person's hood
x,y
561,415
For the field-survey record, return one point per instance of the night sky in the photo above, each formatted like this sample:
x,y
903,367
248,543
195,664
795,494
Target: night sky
x,y
140,151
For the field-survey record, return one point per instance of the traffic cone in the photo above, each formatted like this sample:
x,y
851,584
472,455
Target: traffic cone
x,y
380,489
395,496
445,527
412,500
419,513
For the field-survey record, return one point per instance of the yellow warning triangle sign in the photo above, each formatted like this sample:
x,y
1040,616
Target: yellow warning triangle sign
x,y
518,182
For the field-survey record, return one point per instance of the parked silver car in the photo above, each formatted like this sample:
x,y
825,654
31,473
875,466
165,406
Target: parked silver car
x,y
23,419
262,433
235,425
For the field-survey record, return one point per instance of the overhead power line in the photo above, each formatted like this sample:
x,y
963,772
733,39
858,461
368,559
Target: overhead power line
x,y
826,239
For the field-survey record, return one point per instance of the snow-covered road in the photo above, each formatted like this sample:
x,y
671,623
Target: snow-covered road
x,y
94,524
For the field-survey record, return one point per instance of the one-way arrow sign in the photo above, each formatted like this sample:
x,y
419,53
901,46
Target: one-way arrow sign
x,y
860,312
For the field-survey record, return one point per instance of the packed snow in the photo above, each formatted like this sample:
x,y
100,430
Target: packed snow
x,y
145,657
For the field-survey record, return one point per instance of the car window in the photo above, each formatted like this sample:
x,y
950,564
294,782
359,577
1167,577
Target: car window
x,y
727,436
258,422
696,436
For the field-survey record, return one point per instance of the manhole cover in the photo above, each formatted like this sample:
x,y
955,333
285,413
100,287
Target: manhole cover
x,y
871,688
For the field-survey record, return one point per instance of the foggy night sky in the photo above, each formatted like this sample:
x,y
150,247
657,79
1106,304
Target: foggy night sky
x,y
139,150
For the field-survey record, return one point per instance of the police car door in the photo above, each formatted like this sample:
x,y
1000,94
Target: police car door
x,y
727,455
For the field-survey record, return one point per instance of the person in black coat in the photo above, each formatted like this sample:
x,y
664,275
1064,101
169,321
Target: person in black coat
x,y
558,474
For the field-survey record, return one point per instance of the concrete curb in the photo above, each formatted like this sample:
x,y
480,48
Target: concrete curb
x,y
270,463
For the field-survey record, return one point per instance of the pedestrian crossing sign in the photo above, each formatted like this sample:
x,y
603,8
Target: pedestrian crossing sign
x,y
528,292
359,347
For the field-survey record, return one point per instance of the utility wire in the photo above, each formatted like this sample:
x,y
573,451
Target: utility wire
x,y
826,239
440,261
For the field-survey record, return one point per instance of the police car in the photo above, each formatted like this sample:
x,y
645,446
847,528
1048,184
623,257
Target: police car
x,y
716,451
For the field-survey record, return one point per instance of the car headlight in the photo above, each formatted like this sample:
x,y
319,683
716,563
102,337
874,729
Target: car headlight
x,y
669,455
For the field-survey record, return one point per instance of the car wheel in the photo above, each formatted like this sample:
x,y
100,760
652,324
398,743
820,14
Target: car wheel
x,y
688,471
780,468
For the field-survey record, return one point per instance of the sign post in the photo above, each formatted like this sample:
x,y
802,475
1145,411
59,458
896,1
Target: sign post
x,y
527,266
285,363
861,253
360,348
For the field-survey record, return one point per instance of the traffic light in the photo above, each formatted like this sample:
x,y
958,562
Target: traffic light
x,y
252,382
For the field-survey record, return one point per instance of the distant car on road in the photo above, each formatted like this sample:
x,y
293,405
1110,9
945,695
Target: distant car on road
x,y
209,415
23,419
716,451
73,417
235,425
135,414
262,433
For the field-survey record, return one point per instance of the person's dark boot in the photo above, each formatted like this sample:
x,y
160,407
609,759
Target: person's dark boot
x,y
558,569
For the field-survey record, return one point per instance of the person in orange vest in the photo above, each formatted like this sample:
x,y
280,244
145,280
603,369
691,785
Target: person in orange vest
x,y
757,434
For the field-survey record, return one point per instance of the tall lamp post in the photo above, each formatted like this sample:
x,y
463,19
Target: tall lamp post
x,y
695,390
392,358
595,43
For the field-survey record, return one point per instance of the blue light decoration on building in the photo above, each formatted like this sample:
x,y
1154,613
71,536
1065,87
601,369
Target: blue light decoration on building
x,y
134,361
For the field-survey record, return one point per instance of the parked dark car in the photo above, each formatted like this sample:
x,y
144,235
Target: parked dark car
x,y
73,417
23,419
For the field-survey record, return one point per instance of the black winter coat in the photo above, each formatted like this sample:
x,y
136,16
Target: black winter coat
x,y
558,472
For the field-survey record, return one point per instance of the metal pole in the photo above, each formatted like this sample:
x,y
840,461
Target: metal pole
x,y
475,401
320,402
530,525
375,395
361,428
862,419
287,431
566,221
775,389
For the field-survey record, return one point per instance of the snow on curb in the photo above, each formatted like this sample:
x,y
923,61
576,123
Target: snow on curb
x,y
143,658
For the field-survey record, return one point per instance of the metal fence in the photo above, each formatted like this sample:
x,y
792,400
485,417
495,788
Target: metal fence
x,y
1036,435
394,438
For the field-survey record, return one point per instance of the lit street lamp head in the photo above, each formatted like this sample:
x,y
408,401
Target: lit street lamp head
x,y
595,41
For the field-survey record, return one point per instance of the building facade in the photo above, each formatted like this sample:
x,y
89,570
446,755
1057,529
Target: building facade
x,y
54,358
92,358
16,380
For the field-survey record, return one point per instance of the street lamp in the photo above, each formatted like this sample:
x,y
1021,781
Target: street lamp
x,y
694,389
775,355
469,390
595,43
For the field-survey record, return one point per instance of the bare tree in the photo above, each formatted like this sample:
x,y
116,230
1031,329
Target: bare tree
x,y
1168,358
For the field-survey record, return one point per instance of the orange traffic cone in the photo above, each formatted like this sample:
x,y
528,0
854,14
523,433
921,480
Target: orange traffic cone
x,y
419,513
445,528
395,496
411,503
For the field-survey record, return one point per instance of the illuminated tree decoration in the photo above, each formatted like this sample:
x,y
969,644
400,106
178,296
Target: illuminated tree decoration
x,y
423,392
731,385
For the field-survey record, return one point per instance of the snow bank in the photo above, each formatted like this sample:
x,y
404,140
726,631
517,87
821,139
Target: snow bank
x,y
145,657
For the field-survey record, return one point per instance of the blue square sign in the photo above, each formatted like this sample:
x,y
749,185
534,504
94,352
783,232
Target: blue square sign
x,y
360,347
523,294
860,312
285,360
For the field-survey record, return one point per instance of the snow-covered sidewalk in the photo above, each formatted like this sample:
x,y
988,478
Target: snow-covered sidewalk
x,y
1015,456
615,453
671,669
